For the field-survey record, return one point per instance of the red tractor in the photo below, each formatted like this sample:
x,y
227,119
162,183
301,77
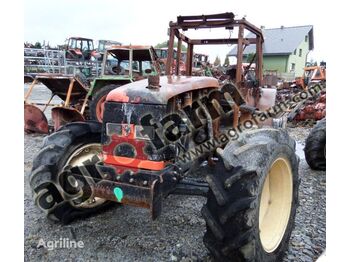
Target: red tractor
x,y
183,135
162,54
312,75
79,48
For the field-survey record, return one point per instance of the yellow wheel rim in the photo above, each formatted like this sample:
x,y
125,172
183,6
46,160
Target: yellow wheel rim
x,y
275,204
86,153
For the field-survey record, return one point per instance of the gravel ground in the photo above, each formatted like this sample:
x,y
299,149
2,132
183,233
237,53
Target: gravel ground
x,y
128,234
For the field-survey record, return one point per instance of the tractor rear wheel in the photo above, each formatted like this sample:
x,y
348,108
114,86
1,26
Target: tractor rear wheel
x,y
71,145
315,146
253,197
98,100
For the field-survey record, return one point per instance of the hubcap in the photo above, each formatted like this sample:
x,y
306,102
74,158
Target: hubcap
x,y
275,204
77,158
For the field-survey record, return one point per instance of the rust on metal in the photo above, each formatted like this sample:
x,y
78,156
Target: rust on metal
x,y
35,120
249,90
69,92
72,91
61,116
30,89
170,86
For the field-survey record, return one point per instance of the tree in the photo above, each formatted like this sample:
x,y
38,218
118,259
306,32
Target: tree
x,y
227,61
165,44
217,61
37,45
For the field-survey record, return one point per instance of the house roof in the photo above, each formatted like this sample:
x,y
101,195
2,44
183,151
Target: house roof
x,y
280,41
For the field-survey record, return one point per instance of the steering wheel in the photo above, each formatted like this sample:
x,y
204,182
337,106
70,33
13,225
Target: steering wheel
x,y
117,70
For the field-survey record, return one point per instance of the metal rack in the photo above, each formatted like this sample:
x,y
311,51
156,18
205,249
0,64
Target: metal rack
x,y
54,61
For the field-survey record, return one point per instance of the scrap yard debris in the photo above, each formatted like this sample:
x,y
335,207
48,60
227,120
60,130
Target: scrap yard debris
x,y
135,125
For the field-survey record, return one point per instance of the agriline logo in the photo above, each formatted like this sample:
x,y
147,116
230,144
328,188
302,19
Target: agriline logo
x,y
61,243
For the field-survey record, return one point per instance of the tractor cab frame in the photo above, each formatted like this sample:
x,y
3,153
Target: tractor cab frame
x,y
227,21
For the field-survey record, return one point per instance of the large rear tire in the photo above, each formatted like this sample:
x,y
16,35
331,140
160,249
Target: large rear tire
x,y
97,104
315,146
71,145
253,197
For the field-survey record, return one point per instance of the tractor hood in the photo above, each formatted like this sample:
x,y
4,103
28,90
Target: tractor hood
x,y
170,86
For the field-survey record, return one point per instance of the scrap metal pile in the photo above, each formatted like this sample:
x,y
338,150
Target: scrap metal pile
x,y
82,99
77,69
77,55
314,107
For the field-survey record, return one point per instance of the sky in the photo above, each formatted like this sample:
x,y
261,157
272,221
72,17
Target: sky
x,y
146,22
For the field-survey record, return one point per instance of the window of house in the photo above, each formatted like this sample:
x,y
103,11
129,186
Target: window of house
x,y
306,38
300,52
292,67
295,52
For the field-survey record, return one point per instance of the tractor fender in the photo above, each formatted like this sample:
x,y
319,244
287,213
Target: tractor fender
x,y
61,116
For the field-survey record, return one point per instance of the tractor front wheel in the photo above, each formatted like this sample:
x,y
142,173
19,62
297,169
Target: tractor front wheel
x,y
253,197
72,145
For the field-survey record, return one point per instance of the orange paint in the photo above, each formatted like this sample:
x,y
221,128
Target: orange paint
x,y
133,162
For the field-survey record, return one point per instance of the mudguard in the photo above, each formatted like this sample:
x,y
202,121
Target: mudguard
x,y
61,116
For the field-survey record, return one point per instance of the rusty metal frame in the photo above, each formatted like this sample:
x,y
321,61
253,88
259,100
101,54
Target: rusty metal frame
x,y
66,103
224,20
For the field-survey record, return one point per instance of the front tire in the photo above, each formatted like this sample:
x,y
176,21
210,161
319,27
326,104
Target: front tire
x,y
97,104
315,147
70,145
253,197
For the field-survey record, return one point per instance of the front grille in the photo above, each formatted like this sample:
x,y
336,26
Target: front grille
x,y
125,150
123,134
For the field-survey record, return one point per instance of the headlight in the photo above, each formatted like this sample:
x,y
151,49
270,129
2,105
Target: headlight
x,y
144,132
140,132
113,129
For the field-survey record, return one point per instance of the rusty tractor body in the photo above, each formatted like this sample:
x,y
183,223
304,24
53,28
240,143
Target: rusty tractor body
x,y
103,45
178,134
312,75
133,106
162,54
313,110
